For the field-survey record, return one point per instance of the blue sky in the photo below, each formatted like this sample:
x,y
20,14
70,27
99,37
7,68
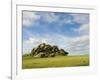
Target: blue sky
x,y
69,31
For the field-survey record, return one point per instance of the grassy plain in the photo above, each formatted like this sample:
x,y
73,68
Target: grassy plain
x,y
29,62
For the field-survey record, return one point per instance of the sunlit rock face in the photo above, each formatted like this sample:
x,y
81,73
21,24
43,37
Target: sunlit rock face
x,y
45,50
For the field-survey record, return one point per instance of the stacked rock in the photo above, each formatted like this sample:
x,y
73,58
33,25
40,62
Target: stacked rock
x,y
46,50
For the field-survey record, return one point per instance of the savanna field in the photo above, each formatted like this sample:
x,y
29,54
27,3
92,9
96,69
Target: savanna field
x,y
29,62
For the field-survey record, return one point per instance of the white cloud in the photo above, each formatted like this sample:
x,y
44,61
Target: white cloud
x,y
80,18
77,45
32,42
29,18
50,17
83,29
80,45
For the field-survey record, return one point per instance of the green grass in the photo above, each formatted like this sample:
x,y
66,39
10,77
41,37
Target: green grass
x,y
29,62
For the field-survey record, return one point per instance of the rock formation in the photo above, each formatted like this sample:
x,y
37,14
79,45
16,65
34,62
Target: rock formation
x,y
45,50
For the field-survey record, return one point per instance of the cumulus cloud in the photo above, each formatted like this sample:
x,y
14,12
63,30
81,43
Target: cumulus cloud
x,y
75,45
83,29
80,45
29,18
49,17
81,18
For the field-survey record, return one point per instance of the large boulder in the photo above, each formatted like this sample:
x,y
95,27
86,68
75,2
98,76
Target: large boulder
x,y
46,50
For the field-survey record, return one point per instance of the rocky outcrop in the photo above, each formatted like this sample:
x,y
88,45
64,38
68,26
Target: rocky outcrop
x,y
46,50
